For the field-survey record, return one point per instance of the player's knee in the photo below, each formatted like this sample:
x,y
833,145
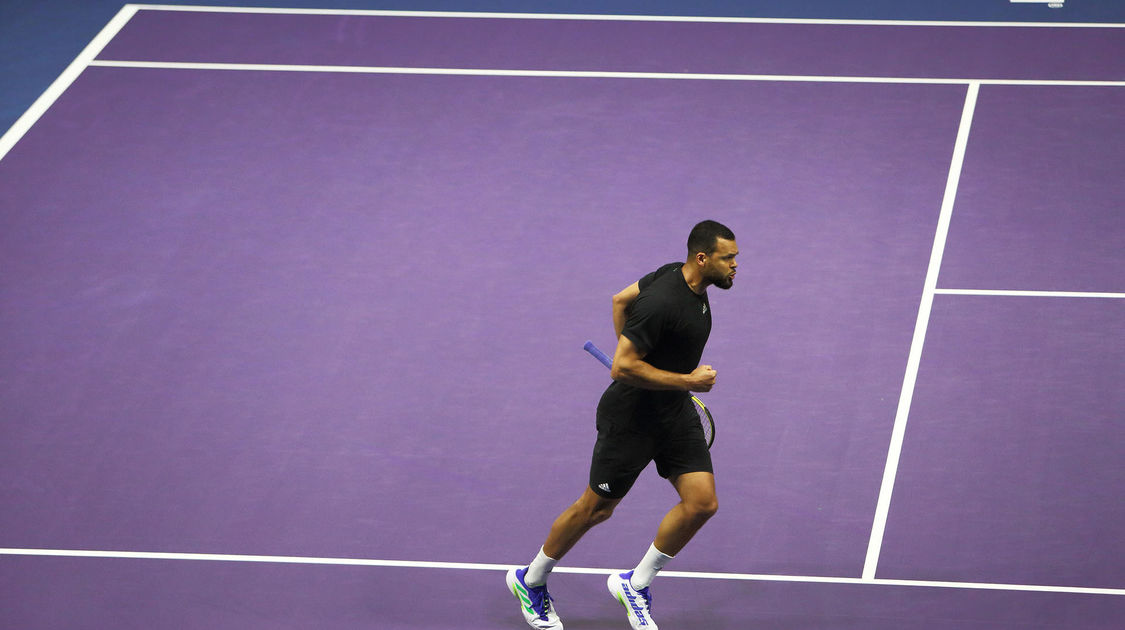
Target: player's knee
x,y
704,508
600,514
711,507
595,509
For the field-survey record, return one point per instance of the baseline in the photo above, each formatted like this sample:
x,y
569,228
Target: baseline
x,y
612,17
471,566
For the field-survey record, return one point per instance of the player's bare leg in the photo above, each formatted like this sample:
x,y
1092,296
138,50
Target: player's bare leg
x,y
697,504
529,584
589,510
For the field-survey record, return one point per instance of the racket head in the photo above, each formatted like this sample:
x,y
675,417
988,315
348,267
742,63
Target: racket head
x,y
705,420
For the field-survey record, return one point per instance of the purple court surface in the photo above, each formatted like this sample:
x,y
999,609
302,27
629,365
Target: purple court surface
x,y
292,308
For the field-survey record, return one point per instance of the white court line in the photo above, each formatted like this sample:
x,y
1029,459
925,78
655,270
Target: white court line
x,y
1063,294
582,74
52,93
619,18
473,566
882,508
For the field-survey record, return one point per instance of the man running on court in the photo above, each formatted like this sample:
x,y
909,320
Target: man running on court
x,y
662,323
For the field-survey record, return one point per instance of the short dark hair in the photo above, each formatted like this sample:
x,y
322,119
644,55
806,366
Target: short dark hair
x,y
705,235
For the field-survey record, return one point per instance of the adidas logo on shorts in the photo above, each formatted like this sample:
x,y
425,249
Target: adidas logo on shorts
x,y
604,487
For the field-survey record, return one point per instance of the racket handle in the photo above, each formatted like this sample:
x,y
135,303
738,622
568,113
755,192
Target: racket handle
x,y
598,354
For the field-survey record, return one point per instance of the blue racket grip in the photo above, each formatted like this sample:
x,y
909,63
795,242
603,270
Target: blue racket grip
x,y
598,354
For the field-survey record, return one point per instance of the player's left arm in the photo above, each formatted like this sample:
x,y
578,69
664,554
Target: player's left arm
x,y
621,303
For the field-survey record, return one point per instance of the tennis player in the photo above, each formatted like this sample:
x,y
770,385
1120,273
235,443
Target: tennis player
x,y
662,323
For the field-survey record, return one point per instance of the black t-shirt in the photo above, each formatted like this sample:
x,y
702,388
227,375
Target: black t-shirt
x,y
669,324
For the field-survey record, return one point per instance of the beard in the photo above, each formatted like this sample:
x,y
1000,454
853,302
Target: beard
x,y
722,281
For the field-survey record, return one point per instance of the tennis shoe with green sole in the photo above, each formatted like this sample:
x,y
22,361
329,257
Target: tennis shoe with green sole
x,y
536,603
637,603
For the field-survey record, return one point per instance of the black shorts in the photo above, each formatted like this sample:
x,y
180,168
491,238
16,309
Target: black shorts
x,y
627,442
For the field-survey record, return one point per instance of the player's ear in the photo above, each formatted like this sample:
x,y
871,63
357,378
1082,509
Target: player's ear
x,y
700,258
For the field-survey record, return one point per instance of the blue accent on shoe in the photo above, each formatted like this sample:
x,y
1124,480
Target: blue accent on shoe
x,y
637,602
540,599
640,609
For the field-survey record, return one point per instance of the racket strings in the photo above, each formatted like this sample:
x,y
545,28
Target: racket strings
x,y
704,420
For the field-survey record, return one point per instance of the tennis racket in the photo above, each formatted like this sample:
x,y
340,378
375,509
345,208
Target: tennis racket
x,y
705,418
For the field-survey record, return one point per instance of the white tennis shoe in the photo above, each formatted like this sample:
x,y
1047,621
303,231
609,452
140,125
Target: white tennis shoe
x,y
637,603
536,603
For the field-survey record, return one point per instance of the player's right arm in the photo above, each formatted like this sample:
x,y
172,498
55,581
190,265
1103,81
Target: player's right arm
x,y
629,367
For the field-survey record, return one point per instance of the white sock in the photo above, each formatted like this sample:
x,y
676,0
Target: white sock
x,y
653,561
538,570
